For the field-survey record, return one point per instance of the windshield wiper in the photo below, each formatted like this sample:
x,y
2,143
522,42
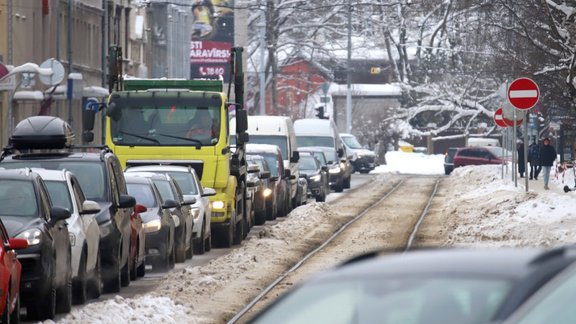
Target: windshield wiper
x,y
151,139
198,143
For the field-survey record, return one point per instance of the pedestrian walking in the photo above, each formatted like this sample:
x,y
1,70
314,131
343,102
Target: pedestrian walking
x,y
547,158
521,159
534,160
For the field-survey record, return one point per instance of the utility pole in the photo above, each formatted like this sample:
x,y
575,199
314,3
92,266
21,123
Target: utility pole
x,y
69,58
10,15
262,75
348,75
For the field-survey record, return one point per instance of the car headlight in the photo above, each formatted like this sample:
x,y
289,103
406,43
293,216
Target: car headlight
x,y
152,226
267,192
195,212
218,204
342,165
334,170
33,236
315,177
72,239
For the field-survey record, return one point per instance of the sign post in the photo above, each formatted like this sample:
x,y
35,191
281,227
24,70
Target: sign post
x,y
499,120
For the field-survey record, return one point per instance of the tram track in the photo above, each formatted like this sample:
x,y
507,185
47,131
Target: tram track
x,y
391,222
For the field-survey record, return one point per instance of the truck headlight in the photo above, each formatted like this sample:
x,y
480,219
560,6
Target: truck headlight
x,y
152,226
33,236
315,177
218,204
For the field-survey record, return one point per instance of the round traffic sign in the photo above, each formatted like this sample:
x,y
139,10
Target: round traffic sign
x,y
57,72
509,122
523,93
499,118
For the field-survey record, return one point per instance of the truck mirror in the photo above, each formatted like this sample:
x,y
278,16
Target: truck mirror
x,y
88,118
87,136
340,152
113,111
243,137
241,121
295,157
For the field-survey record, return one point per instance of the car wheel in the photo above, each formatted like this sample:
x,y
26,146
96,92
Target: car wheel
x,y
134,264
112,284
199,247
64,292
95,282
172,258
181,247
79,285
125,274
6,314
321,197
141,270
339,186
44,307
208,243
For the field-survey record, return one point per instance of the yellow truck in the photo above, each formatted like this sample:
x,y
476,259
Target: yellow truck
x,y
185,122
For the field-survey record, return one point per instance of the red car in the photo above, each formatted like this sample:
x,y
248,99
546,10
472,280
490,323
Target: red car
x,y
10,268
477,155
137,244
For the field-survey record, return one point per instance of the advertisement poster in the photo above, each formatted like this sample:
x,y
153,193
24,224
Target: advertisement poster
x,y
212,38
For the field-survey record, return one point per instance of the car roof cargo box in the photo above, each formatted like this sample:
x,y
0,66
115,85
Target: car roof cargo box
x,y
42,132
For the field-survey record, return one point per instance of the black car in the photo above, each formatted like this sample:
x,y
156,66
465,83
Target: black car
x,y
316,175
338,170
257,182
429,286
101,178
157,219
27,213
449,160
270,182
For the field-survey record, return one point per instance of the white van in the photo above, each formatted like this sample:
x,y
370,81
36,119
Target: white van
x,y
276,130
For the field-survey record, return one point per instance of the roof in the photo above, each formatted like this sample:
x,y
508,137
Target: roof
x,y
262,148
51,175
147,175
24,173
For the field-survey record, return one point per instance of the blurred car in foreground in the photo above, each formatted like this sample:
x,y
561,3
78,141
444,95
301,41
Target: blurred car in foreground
x,y
449,160
10,272
431,286
479,155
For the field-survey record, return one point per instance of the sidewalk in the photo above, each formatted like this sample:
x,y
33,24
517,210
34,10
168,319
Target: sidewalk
x,y
556,184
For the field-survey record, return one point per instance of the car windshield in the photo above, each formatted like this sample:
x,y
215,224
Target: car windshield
x,y
90,174
166,124
303,141
165,189
391,300
143,194
17,198
351,142
307,163
279,141
186,182
59,194
272,161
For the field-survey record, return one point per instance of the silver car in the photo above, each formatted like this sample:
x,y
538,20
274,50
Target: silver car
x,y
191,187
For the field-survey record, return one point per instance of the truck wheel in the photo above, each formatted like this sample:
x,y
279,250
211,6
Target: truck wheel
x,y
241,225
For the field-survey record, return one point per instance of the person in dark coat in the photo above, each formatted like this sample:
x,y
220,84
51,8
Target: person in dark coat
x,y
521,160
547,158
534,160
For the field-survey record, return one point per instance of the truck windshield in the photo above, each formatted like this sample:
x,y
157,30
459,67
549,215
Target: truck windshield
x,y
279,141
304,141
168,125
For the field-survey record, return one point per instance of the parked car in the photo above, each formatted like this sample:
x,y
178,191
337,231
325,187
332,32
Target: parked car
x,y
270,182
449,160
420,286
316,175
157,219
27,212
478,155
65,191
363,160
137,244
279,176
347,168
191,187
257,183
101,178
337,172
10,274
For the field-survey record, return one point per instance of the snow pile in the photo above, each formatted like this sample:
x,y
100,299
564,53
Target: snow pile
x,y
485,210
145,309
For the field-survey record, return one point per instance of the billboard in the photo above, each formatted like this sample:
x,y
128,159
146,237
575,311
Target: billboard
x,y
212,38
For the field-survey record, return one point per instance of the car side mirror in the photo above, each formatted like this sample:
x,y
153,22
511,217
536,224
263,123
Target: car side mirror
x,y
324,168
17,244
264,174
340,152
208,192
253,169
140,208
170,203
90,207
251,184
295,157
126,201
58,213
273,178
189,200
292,177
287,173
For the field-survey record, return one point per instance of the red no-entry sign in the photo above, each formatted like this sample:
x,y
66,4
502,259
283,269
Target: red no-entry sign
x,y
501,121
523,93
